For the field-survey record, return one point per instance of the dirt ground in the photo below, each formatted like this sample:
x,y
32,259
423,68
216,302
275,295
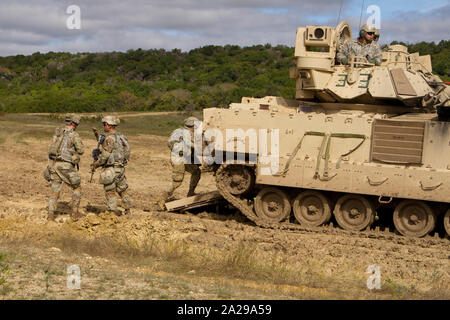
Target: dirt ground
x,y
213,253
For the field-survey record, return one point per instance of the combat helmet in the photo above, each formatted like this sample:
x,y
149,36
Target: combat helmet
x,y
72,117
367,28
376,37
111,120
189,122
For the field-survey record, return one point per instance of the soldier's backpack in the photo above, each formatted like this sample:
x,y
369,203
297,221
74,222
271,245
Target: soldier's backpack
x,y
121,152
126,147
55,145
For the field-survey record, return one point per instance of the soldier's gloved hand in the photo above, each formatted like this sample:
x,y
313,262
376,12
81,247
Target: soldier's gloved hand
x,y
94,166
372,61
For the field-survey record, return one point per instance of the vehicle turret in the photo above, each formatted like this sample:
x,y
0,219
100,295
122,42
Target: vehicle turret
x,y
402,79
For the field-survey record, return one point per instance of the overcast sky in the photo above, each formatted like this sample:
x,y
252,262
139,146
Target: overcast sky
x,y
109,25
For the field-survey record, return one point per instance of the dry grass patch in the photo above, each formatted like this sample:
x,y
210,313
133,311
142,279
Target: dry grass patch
x,y
4,286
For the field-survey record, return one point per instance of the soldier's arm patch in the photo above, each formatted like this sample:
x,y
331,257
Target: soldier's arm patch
x,y
79,147
108,144
107,147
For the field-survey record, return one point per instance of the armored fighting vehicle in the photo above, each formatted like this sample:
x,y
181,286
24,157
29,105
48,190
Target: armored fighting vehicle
x,y
358,138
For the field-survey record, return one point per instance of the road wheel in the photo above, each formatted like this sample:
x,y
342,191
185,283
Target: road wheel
x,y
413,218
272,204
354,212
447,222
312,208
238,179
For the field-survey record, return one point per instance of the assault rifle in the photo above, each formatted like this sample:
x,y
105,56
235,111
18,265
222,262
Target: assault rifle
x,y
96,152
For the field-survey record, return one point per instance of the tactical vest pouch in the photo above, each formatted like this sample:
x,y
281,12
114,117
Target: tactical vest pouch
x,y
66,149
75,159
74,179
107,176
126,148
55,144
121,151
47,175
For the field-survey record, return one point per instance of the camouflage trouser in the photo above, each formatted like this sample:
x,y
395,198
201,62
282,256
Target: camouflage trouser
x,y
178,171
64,172
114,182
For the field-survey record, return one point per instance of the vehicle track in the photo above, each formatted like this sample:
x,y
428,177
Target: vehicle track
x,y
245,206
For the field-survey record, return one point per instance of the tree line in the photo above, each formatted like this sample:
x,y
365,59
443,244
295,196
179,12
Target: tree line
x,y
157,80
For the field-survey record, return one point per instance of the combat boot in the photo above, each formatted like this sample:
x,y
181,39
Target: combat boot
x,y
166,195
161,205
126,202
51,216
76,215
117,212
191,191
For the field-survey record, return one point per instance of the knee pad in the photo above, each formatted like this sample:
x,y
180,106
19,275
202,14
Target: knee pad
x,y
76,194
74,179
109,187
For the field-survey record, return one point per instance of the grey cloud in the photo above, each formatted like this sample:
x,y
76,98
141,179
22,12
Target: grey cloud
x,y
30,26
24,37
45,19
414,26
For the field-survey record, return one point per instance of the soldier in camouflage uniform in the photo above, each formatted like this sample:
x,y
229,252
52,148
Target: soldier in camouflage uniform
x,y
113,159
64,156
364,46
185,162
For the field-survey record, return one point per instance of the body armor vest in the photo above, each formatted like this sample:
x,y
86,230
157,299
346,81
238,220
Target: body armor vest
x,y
119,153
66,149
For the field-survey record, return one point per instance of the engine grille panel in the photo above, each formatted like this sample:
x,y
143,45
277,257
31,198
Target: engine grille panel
x,y
396,141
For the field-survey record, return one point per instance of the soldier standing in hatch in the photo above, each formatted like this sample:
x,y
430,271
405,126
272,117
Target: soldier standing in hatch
x,y
113,159
364,46
185,162
64,154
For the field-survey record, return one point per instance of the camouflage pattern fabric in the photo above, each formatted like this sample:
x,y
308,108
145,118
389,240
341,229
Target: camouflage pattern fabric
x,y
68,149
179,141
112,175
111,201
107,149
113,178
178,176
371,51
65,171
71,147
178,171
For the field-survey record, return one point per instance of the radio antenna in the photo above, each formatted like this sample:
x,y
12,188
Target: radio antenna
x,y
362,7
340,10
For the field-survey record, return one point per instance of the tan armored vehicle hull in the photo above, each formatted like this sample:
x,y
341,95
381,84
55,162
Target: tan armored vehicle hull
x,y
358,138
385,156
